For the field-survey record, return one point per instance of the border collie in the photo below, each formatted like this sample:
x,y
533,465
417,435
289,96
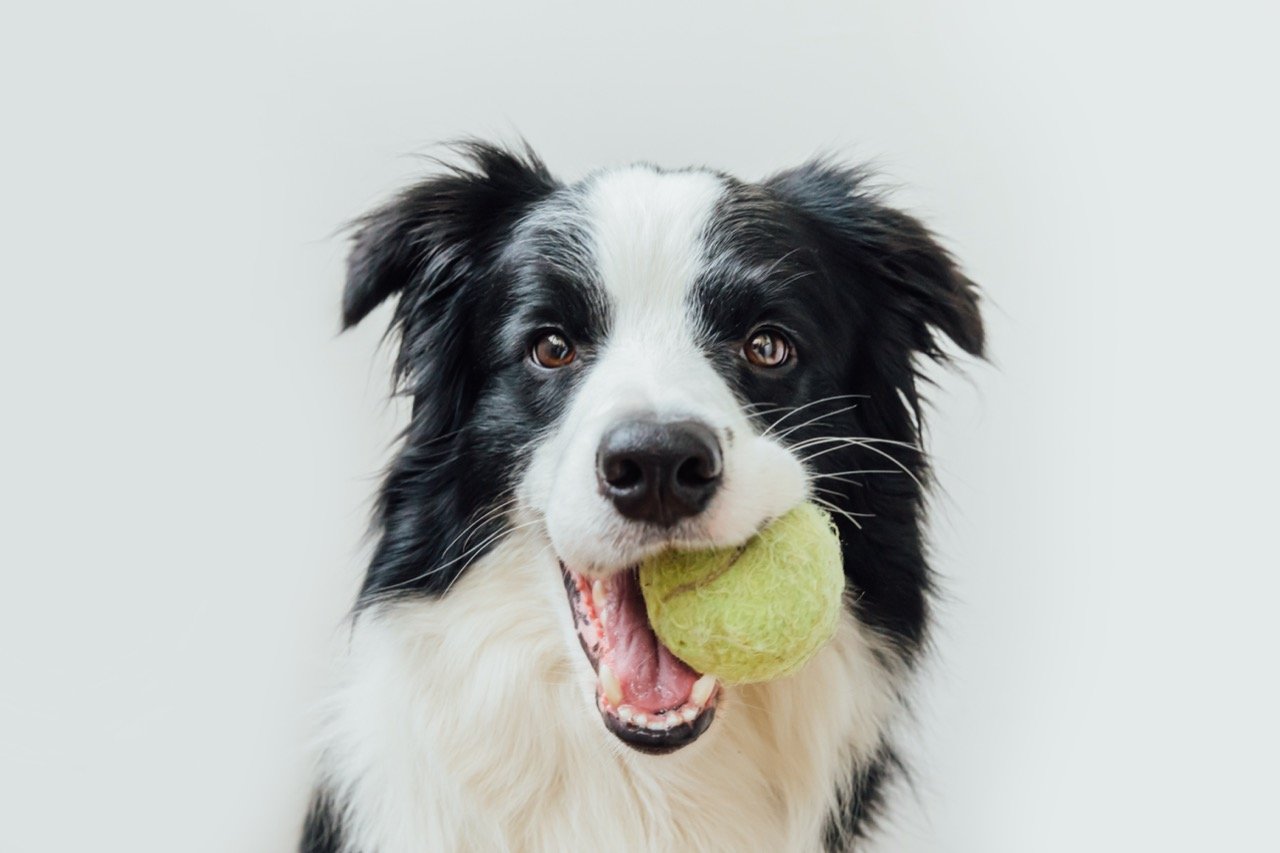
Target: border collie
x,y
640,360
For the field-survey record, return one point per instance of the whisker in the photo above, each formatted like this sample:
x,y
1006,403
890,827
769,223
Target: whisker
x,y
463,570
489,513
815,420
498,511
840,475
474,549
778,261
832,508
817,402
763,411
849,439
836,494
796,276
875,450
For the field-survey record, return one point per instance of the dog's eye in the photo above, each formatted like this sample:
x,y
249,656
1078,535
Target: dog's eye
x,y
552,349
767,348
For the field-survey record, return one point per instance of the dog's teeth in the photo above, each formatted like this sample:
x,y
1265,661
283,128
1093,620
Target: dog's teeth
x,y
597,598
656,725
609,682
640,720
673,719
702,689
625,713
688,713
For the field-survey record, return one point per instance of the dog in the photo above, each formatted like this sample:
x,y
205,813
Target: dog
x,y
641,360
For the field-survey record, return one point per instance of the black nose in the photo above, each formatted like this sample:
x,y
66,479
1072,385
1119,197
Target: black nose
x,y
659,472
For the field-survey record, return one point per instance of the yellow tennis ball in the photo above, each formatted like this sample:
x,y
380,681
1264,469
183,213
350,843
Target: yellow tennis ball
x,y
752,613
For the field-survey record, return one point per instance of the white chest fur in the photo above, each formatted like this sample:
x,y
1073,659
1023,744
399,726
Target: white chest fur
x,y
468,723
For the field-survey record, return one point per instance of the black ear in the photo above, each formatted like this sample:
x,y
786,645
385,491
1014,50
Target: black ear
x,y
916,280
434,235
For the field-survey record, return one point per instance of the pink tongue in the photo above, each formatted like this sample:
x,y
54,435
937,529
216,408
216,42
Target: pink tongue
x,y
652,678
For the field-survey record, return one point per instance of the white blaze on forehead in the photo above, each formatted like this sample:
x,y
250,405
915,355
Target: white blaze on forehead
x,y
647,242
646,239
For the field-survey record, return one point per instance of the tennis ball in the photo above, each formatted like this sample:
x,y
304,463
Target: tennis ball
x,y
755,612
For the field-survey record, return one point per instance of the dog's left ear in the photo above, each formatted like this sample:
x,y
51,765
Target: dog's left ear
x,y
916,284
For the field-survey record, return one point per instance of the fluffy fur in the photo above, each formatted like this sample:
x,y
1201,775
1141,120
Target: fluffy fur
x,y
467,717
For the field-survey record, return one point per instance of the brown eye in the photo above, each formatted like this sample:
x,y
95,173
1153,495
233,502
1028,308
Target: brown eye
x,y
767,348
552,349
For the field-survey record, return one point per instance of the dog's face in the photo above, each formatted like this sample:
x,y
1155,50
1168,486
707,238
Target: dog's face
x,y
655,445
651,359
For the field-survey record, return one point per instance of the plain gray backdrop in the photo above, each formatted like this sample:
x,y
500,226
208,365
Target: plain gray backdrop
x,y
189,449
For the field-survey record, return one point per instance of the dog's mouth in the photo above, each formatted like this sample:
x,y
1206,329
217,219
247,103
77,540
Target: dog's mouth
x,y
649,698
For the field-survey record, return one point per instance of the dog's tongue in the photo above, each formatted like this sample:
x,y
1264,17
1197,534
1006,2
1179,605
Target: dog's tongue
x,y
652,678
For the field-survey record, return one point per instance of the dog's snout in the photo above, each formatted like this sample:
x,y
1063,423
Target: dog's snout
x,y
659,472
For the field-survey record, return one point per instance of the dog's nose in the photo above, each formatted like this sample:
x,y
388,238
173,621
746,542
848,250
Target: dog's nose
x,y
659,472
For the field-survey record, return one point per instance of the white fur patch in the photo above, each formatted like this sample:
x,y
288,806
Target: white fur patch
x,y
469,723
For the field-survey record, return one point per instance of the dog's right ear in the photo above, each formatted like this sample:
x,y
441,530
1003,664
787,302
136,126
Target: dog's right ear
x,y
438,246
429,239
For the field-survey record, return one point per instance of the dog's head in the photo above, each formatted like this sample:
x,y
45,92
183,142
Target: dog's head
x,y
647,359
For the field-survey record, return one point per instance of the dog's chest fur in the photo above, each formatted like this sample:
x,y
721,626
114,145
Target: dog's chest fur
x,y
466,723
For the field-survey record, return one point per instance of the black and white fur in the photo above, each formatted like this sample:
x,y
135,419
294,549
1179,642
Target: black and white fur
x,y
467,717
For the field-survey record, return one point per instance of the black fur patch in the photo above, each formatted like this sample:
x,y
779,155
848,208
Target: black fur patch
x,y
858,808
468,300
322,830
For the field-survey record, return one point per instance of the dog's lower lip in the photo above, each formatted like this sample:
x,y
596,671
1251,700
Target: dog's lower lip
x,y
675,705
659,742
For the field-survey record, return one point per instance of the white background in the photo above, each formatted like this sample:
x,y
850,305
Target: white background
x,y
189,448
